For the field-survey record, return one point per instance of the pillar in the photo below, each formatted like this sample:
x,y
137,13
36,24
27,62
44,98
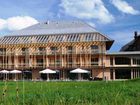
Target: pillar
x,y
138,73
132,74
9,62
47,61
131,61
114,77
134,71
113,61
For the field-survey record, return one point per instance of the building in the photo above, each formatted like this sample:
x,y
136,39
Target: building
x,y
64,46
134,45
126,63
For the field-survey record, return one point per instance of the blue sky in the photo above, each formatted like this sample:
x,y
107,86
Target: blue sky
x,y
117,19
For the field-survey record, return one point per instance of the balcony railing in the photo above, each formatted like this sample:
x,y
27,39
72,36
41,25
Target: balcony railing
x,y
52,52
39,64
94,63
25,52
55,64
40,53
2,53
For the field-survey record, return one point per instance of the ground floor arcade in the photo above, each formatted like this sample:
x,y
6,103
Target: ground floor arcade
x,y
64,74
124,73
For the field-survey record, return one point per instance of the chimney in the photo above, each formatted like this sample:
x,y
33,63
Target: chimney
x,y
47,22
135,34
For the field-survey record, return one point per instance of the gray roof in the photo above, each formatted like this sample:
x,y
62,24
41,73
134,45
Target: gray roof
x,y
53,38
56,27
56,31
125,47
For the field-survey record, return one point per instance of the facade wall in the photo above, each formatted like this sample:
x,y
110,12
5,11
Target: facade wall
x,y
65,59
30,57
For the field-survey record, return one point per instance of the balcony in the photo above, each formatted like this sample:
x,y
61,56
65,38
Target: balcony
x,y
25,52
40,53
7,65
95,51
71,52
71,64
2,53
55,64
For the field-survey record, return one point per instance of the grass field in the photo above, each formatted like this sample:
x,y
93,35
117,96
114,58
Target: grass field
x,y
71,93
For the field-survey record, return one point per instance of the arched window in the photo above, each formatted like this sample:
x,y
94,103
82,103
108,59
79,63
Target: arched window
x,y
94,49
41,50
2,50
25,50
53,50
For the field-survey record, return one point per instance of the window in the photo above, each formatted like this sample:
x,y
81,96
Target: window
x,y
94,61
53,50
52,62
69,49
69,61
39,62
25,50
41,50
94,49
25,62
111,61
58,62
136,61
82,49
2,50
122,61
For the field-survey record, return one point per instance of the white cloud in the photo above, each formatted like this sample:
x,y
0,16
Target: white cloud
x,y
17,23
87,9
2,24
124,7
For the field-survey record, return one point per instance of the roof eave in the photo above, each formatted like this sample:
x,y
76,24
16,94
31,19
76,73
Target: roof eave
x,y
109,44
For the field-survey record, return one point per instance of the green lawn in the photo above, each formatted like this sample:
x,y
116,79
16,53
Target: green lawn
x,y
71,93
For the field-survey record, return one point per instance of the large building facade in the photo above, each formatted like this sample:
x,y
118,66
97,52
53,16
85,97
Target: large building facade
x,y
64,46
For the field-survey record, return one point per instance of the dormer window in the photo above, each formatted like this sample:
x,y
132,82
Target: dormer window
x,y
2,50
69,49
41,49
25,50
94,49
53,49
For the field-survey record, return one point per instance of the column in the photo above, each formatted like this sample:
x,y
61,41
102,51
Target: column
x,y
135,73
114,77
47,61
132,74
131,61
81,63
9,62
15,61
139,73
